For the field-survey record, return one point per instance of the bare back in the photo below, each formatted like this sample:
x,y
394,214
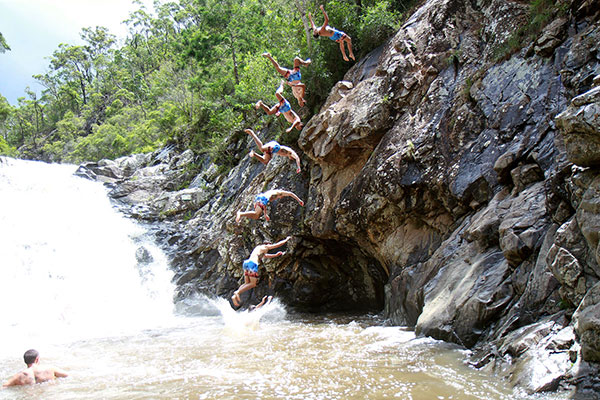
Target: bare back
x,y
258,252
25,377
44,374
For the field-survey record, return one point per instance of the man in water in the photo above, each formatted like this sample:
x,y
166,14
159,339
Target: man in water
x,y
34,373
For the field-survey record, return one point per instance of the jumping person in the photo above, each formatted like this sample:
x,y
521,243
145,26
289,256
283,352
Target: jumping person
x,y
261,201
266,300
282,107
332,33
292,76
34,373
251,267
272,148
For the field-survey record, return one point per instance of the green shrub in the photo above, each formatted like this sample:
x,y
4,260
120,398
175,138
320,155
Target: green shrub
x,y
377,24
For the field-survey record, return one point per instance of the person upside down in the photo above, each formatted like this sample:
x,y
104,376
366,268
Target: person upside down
x,y
261,202
333,34
250,267
282,107
292,76
271,149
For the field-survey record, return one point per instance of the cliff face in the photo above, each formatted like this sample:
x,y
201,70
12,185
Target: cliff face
x,y
457,192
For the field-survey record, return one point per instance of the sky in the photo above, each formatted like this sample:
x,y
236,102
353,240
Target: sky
x,y
34,28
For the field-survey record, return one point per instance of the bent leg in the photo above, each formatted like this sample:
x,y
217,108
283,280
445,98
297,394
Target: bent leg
x,y
341,42
249,214
269,111
348,41
263,159
282,71
247,286
254,137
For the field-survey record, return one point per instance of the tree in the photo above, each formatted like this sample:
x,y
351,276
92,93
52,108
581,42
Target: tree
x,y
3,45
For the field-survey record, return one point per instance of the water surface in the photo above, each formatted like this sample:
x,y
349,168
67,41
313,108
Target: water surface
x,y
72,287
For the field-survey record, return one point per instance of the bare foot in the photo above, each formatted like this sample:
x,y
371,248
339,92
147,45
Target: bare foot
x,y
346,58
280,88
236,299
352,57
238,216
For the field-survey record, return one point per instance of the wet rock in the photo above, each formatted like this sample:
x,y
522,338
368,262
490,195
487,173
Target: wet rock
x,y
551,38
587,324
84,171
541,354
143,256
588,217
567,258
524,226
540,293
580,127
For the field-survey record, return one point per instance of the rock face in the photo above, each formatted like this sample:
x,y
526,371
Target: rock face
x,y
457,192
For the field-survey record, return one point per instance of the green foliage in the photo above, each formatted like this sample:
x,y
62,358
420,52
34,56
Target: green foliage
x,y
378,22
541,12
3,45
189,73
6,149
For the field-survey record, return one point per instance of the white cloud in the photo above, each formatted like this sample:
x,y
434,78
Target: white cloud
x,y
34,29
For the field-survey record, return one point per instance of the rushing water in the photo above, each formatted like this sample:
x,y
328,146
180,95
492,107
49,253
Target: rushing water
x,y
72,287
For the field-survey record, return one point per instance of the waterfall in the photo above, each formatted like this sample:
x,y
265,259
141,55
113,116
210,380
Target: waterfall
x,y
71,266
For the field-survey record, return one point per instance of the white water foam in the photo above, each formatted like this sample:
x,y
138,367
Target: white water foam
x,y
68,260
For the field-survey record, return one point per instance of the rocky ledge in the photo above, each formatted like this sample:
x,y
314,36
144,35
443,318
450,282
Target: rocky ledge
x,y
452,187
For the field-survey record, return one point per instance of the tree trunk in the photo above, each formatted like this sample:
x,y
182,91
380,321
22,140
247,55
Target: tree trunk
x,y
235,67
301,5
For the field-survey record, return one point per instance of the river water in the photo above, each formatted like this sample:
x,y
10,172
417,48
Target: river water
x,y
72,287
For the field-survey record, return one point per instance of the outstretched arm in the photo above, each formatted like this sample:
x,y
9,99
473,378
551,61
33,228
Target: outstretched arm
x,y
283,193
276,245
312,23
326,22
59,373
279,253
292,155
18,379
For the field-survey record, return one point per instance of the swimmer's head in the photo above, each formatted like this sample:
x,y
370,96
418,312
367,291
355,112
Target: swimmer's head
x,y
30,356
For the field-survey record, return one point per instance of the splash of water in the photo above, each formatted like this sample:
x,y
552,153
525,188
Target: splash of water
x,y
236,323
69,266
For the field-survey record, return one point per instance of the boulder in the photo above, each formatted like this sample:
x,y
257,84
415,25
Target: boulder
x,y
587,324
580,127
567,258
